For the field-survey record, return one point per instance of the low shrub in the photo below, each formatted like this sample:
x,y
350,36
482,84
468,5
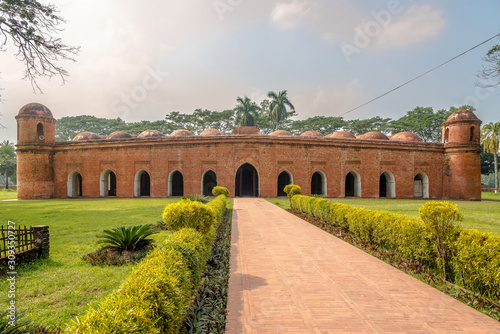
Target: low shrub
x,y
197,198
189,214
292,190
477,261
109,257
216,191
441,218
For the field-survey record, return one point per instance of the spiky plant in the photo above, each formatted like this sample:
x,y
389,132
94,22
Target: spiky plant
x,y
20,324
127,238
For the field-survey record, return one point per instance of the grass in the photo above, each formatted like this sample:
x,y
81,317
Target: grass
x,y
484,216
53,291
7,194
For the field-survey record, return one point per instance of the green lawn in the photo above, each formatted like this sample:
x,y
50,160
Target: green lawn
x,y
54,290
483,216
7,194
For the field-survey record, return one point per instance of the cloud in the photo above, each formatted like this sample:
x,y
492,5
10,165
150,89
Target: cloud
x,y
287,15
418,24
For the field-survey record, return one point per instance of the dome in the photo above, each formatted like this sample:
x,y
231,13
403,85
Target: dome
x,y
246,130
211,132
281,133
311,133
181,133
150,134
35,109
341,134
373,135
119,135
87,136
462,115
406,136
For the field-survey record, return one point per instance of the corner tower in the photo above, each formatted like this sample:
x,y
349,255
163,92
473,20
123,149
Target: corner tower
x,y
462,143
35,141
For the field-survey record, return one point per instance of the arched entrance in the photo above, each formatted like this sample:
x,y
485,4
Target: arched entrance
x,y
108,183
284,179
74,184
421,186
318,184
209,182
387,185
176,184
353,184
142,184
247,181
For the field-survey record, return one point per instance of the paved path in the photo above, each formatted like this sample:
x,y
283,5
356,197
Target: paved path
x,y
288,276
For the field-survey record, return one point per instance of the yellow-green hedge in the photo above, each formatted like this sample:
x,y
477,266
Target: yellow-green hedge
x,y
187,213
157,295
476,256
478,261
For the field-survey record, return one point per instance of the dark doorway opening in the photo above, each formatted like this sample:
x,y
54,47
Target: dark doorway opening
x,y
283,180
145,184
349,185
209,182
177,184
418,186
383,186
317,184
111,184
247,181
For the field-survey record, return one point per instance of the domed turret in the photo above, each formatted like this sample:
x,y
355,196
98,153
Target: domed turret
x,y
119,135
150,134
84,136
406,136
246,130
181,133
341,134
373,135
211,132
311,133
281,133
462,127
36,124
35,109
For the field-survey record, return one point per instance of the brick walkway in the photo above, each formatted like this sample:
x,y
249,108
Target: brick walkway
x,y
288,276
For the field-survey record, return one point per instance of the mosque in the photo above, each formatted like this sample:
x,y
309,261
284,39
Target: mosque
x,y
246,162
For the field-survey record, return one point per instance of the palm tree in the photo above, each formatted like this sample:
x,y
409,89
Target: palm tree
x,y
278,105
7,143
490,139
246,111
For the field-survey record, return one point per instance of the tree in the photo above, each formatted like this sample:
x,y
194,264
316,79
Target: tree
x,y
490,73
487,163
30,25
7,163
68,127
490,139
278,105
246,112
362,126
322,124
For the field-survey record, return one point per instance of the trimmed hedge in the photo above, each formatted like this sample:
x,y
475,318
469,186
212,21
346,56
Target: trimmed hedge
x,y
157,295
475,254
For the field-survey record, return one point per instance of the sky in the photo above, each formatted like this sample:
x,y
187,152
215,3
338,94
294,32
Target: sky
x,y
142,60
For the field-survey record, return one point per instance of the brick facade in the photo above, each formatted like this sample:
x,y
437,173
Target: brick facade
x,y
151,164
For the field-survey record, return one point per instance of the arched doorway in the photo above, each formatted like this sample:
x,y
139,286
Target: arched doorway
x,y
247,181
284,179
176,184
387,185
108,183
352,184
318,184
209,182
142,184
74,184
421,186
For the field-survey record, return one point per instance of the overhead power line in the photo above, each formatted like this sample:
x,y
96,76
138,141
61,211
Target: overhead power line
x,y
421,75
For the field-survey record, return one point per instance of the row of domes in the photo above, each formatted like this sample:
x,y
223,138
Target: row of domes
x,y
247,130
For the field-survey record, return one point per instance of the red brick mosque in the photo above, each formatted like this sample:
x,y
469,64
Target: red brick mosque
x,y
246,162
